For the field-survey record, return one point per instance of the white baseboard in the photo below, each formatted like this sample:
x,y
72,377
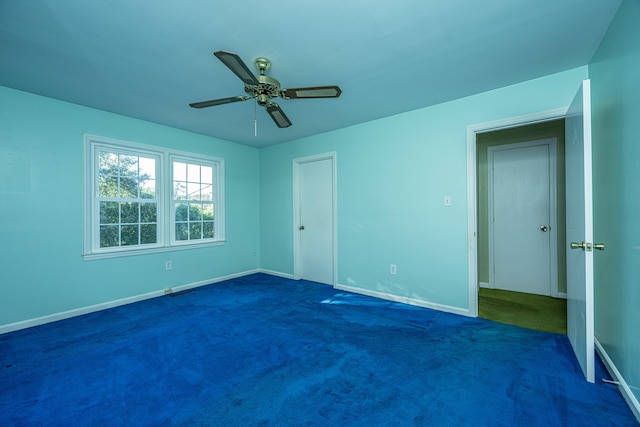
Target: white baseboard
x,y
276,273
209,281
485,285
626,392
405,300
110,304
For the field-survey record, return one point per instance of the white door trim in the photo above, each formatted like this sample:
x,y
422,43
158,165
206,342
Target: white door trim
x,y
553,213
297,258
472,203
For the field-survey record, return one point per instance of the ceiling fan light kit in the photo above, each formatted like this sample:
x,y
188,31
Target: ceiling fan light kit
x,y
264,88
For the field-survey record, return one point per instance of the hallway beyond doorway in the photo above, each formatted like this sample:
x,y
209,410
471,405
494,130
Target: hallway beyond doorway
x,y
537,312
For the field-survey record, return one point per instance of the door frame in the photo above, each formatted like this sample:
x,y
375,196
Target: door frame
x,y
553,208
472,202
297,257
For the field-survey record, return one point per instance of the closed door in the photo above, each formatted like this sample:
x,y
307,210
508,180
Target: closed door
x,y
315,227
521,209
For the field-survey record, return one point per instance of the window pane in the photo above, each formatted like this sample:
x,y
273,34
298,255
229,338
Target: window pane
x,y
207,212
207,192
108,164
147,189
148,233
129,213
179,190
182,232
195,213
193,173
207,230
128,165
109,213
179,171
147,168
148,212
108,186
195,230
109,236
182,213
206,175
129,235
129,188
193,191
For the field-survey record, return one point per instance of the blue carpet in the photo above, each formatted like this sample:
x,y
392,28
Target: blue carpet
x,y
262,350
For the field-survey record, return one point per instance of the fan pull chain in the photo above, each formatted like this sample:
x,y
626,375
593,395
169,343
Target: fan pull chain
x,y
255,120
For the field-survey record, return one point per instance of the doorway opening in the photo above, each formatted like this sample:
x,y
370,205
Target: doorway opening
x,y
517,285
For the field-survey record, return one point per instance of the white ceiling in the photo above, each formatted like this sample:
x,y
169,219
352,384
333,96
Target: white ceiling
x,y
149,59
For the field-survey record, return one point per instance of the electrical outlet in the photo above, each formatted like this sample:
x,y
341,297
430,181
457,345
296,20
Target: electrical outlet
x,y
393,269
168,291
168,265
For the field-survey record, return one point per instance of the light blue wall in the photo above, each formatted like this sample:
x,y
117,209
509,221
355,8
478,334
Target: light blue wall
x,y
41,211
614,71
393,174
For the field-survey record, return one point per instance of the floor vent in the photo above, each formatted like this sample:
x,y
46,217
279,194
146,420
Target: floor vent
x,y
177,294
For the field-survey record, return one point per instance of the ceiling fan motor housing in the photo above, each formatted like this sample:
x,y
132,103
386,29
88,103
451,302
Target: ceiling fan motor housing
x,y
263,92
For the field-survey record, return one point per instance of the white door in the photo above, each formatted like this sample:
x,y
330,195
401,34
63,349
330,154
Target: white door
x,y
580,321
315,225
521,209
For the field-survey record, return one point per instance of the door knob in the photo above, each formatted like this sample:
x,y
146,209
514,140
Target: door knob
x,y
587,246
543,228
301,227
575,245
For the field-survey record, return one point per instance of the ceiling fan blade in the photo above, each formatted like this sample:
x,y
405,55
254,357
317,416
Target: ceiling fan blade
x,y
312,92
215,102
239,68
278,116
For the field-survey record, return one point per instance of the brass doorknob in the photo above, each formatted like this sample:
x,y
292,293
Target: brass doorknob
x,y
543,228
587,246
575,245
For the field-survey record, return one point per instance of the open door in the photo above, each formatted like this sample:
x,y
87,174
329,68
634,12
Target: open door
x,y
580,317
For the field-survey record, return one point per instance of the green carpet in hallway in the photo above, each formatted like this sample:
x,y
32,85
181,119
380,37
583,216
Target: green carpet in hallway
x,y
537,312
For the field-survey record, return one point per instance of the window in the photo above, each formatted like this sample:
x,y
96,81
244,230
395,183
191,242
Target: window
x,y
193,200
127,200
142,199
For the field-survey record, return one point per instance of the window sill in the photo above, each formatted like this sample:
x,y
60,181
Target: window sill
x,y
125,253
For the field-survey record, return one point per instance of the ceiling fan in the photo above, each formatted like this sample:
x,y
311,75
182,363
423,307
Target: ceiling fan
x,y
264,88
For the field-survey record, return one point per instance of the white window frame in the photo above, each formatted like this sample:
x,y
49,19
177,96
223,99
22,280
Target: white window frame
x,y
164,192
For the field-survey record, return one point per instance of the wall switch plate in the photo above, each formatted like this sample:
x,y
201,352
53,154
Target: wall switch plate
x,y
447,201
393,269
168,265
